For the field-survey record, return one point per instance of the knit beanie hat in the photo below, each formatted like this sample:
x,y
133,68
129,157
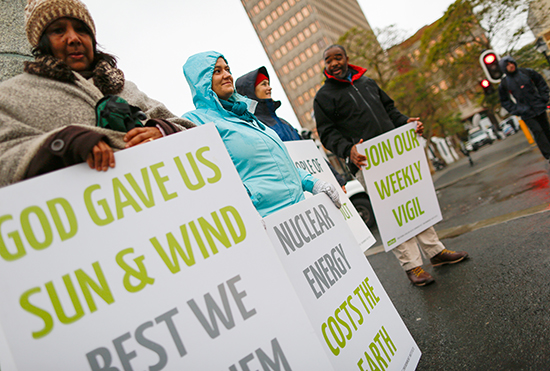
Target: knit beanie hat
x,y
39,14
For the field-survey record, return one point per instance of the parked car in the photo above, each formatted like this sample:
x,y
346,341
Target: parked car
x,y
506,128
479,138
510,122
361,201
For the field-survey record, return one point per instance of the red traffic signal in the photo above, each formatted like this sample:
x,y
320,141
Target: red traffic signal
x,y
489,58
487,86
489,63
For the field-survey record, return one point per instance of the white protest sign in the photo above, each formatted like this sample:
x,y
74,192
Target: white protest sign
x,y
400,185
307,156
351,313
147,266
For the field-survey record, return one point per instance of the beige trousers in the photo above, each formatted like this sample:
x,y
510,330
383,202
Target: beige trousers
x,y
408,253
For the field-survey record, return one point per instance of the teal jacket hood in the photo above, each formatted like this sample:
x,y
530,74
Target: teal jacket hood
x,y
198,71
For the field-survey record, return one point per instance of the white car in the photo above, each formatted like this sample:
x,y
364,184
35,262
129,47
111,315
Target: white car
x,y
361,201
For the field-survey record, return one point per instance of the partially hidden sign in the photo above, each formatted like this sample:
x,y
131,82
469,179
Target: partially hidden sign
x,y
307,156
400,185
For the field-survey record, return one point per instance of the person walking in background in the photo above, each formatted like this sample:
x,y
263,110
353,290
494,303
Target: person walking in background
x,y
48,113
255,85
350,108
262,161
531,93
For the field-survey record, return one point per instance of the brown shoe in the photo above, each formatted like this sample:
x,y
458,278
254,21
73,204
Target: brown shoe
x,y
419,277
448,257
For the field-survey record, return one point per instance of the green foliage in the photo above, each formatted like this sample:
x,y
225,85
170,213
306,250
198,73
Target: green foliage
x,y
364,49
529,57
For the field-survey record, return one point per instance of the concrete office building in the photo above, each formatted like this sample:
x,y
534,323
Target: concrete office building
x,y
294,34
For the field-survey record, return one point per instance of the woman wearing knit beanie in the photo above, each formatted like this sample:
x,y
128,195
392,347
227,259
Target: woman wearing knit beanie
x,y
48,114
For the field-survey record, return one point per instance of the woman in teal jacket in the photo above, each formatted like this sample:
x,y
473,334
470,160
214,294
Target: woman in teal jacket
x,y
261,158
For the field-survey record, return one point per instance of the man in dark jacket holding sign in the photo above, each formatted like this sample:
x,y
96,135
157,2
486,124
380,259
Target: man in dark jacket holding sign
x,y
349,109
531,94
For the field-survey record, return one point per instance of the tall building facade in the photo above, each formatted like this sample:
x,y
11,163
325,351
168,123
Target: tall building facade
x,y
294,34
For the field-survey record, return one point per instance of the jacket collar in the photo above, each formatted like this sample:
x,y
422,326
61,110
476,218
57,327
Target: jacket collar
x,y
356,73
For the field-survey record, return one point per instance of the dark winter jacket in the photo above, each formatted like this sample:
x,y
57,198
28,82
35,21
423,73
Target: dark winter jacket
x,y
528,88
346,112
265,110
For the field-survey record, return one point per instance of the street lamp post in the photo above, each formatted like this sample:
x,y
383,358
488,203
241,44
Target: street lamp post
x,y
541,47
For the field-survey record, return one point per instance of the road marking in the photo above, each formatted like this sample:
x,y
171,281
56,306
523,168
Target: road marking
x,y
462,229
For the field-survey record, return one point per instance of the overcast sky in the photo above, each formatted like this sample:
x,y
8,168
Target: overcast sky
x,y
153,38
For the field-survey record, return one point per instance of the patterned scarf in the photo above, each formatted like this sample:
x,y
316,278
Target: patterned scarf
x,y
108,79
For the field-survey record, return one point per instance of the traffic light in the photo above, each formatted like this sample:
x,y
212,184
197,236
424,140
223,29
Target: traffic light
x,y
487,86
489,63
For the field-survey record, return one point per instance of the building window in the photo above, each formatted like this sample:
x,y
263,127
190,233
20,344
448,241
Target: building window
x,y
303,57
313,27
301,37
305,12
288,27
278,54
295,41
270,39
299,81
286,6
310,72
291,65
300,100
282,30
261,4
304,76
309,53
299,17
286,71
289,45
293,85
315,48
276,35
317,69
274,15
297,61
256,9
267,2
293,21
307,32
291,2
312,92
280,10
306,96
263,24
268,19
284,50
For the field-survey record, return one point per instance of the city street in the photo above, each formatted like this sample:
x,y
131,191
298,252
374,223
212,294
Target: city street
x,y
491,312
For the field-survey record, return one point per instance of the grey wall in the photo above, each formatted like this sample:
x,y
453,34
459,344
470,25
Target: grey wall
x,y
14,47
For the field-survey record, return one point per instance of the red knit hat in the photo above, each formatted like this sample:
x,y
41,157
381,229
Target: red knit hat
x,y
261,77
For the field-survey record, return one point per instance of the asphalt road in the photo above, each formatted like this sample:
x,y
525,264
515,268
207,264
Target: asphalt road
x,y
491,312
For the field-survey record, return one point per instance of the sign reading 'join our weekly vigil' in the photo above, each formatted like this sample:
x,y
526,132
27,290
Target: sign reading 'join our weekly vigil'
x,y
151,266
400,185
